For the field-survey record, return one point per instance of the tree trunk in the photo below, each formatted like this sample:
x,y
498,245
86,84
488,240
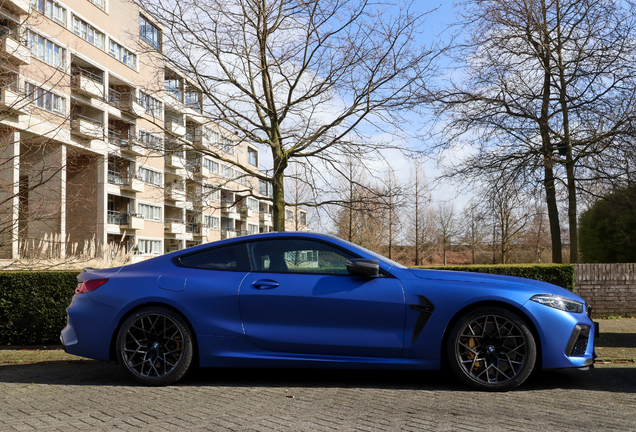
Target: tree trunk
x,y
548,179
278,191
567,142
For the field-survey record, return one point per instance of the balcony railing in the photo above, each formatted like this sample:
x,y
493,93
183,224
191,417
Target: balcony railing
x,y
174,186
14,34
120,139
169,118
120,218
79,71
92,121
231,233
193,227
118,178
12,82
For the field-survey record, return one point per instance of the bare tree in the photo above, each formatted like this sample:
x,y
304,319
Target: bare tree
x,y
543,78
474,227
393,201
446,226
420,230
298,78
510,213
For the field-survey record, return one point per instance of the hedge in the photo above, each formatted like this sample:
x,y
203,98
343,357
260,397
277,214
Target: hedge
x,y
557,274
33,306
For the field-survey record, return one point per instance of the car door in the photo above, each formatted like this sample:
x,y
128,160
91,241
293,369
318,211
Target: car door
x,y
299,298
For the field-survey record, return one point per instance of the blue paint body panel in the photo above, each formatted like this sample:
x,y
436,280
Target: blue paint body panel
x,y
245,317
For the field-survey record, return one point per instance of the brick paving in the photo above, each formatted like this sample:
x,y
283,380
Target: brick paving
x,y
93,396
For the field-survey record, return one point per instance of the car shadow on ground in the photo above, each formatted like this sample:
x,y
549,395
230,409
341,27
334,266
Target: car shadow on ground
x,y
612,379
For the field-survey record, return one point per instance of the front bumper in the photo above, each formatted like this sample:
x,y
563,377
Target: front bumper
x,y
567,339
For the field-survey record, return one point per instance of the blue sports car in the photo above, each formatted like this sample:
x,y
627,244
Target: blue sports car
x,y
309,300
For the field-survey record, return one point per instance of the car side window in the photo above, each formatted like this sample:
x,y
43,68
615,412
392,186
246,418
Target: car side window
x,y
298,256
227,258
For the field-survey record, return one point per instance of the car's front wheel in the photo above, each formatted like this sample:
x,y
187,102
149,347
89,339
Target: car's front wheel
x,y
154,344
491,349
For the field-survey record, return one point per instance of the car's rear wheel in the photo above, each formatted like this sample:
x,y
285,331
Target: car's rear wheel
x,y
491,349
154,344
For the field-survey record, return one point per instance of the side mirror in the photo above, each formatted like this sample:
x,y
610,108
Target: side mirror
x,y
363,267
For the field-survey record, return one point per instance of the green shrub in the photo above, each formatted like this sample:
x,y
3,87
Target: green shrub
x,y
33,306
557,274
607,230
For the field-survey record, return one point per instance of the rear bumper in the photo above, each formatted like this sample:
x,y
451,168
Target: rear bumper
x,y
89,328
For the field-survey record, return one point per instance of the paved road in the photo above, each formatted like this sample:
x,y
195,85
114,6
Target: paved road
x,y
98,396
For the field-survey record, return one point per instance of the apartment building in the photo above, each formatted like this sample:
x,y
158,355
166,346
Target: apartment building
x,y
102,142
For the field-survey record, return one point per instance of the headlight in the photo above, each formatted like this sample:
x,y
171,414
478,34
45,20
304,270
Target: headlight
x,y
558,302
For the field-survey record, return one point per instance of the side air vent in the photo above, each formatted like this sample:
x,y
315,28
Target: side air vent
x,y
425,308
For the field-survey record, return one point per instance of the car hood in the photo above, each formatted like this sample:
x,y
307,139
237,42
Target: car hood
x,y
508,282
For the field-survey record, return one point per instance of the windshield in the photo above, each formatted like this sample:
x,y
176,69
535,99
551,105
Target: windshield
x,y
373,254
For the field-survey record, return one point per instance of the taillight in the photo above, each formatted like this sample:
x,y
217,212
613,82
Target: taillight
x,y
89,285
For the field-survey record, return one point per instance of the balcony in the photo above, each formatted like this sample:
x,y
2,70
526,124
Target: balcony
x,y
174,160
12,96
174,125
125,181
265,216
127,142
196,169
175,192
127,102
174,226
230,233
229,209
20,6
87,127
14,46
125,220
246,212
87,82
197,229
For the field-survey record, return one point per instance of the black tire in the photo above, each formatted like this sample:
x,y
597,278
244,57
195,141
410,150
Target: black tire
x,y
491,349
155,346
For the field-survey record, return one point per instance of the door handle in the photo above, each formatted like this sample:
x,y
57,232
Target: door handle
x,y
265,284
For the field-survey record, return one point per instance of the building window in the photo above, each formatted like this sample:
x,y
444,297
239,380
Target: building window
x,y
150,141
252,156
149,247
212,222
99,3
153,106
88,33
252,229
149,176
149,32
50,9
47,51
211,165
211,193
252,204
227,145
123,55
303,218
289,215
46,100
265,188
150,212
